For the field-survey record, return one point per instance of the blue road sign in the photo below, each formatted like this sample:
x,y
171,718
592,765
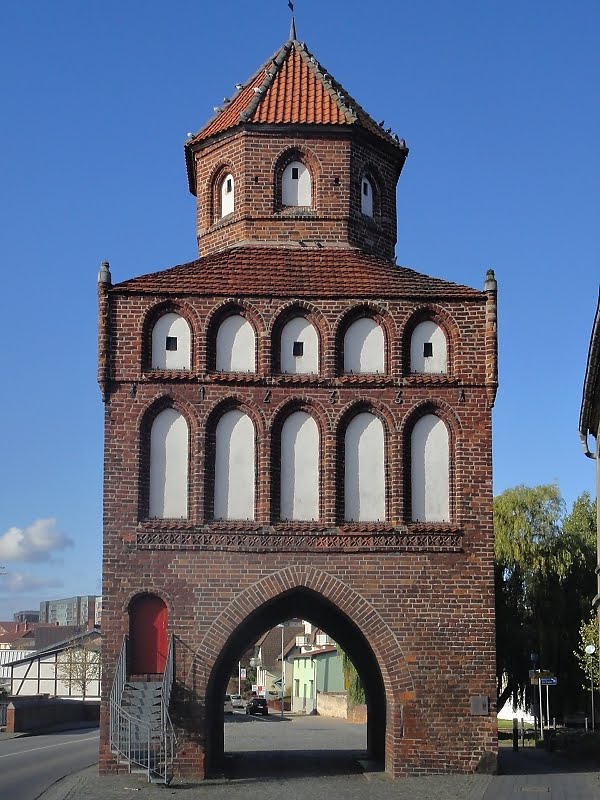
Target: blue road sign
x,y
548,681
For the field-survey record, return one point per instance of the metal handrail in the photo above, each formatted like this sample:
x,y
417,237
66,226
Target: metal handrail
x,y
135,741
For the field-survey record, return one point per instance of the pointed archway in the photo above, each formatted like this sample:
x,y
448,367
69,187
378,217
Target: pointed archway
x,y
331,605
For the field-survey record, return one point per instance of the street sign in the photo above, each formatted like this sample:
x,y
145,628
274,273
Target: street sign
x,y
549,681
243,673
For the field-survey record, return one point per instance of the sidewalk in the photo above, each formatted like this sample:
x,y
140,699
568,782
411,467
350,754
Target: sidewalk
x,y
529,773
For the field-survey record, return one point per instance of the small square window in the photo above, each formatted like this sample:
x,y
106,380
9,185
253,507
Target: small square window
x,y
295,174
298,348
229,186
427,349
171,343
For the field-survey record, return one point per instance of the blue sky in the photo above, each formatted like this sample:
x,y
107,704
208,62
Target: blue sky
x,y
498,102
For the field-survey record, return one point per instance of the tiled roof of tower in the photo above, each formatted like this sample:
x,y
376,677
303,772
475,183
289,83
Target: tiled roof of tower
x,y
292,88
295,272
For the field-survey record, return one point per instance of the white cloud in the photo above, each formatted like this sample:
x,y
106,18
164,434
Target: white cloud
x,y
23,582
35,543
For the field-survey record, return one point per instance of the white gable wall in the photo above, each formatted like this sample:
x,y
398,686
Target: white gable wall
x,y
44,675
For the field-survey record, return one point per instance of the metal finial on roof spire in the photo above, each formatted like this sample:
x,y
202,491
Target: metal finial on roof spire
x,y
293,22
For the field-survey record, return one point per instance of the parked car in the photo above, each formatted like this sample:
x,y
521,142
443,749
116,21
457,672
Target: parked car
x,y
257,705
227,705
237,701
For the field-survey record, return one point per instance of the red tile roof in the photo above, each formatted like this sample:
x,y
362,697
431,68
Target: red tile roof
x,y
295,272
292,88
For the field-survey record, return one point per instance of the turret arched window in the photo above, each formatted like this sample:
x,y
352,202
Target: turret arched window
x,y
366,196
227,195
296,185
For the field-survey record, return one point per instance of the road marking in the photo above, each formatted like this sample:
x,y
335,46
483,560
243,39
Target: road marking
x,y
49,746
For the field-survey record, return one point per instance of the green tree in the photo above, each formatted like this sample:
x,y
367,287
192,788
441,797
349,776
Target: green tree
x,y
590,665
544,571
354,687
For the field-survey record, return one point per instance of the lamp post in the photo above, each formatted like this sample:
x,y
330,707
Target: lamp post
x,y
590,650
281,625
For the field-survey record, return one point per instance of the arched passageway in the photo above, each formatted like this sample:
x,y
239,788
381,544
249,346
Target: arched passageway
x,y
307,604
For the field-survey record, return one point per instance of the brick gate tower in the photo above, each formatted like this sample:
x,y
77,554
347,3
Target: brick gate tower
x,y
295,426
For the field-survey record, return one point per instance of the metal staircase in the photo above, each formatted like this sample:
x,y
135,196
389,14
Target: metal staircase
x,y
141,732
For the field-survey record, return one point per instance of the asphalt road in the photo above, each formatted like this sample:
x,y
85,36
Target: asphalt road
x,y
30,764
257,746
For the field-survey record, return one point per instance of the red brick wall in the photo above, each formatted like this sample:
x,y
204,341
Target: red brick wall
x,y
337,160
424,603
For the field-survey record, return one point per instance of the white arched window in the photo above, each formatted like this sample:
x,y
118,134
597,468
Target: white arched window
x,y
169,465
366,197
171,343
234,467
227,195
299,354
236,345
428,349
296,185
299,468
364,470
364,347
430,480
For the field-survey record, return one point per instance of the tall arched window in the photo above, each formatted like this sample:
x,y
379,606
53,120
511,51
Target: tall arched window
x,y
227,195
296,185
171,343
236,345
430,473
428,349
169,465
234,471
366,197
364,347
299,353
364,469
299,468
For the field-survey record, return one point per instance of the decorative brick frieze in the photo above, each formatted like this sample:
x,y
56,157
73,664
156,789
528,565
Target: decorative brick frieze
x,y
269,540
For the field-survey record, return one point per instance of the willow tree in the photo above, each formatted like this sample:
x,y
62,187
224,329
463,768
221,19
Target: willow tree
x,y
544,570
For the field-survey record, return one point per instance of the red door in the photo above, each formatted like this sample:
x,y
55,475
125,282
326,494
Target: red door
x,y
148,634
